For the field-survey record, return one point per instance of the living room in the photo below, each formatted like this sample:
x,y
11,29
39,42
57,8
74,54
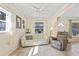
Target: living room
x,y
43,23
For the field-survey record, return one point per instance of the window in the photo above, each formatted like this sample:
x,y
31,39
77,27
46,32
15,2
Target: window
x,y
39,27
75,29
2,16
2,21
2,26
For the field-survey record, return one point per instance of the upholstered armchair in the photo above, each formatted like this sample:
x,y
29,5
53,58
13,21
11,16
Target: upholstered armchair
x,y
60,42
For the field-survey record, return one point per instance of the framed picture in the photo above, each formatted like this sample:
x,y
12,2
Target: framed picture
x,y
23,24
18,22
2,15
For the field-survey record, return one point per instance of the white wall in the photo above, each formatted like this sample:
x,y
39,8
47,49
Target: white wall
x,y
47,24
9,41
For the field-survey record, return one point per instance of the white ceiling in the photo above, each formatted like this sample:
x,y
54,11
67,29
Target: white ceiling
x,y
47,10
72,12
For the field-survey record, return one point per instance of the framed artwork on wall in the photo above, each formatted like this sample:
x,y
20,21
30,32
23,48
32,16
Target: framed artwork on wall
x,y
18,22
23,24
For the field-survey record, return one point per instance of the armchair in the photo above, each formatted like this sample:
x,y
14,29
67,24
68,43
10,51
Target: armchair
x,y
60,42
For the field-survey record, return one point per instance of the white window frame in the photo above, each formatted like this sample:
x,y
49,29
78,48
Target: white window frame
x,y
8,20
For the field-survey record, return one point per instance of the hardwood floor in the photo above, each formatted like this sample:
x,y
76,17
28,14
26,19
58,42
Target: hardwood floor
x,y
47,50
21,52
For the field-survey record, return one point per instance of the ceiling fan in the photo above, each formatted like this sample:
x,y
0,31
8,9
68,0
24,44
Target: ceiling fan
x,y
40,11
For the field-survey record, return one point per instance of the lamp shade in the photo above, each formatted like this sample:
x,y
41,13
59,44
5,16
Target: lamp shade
x,y
51,28
61,24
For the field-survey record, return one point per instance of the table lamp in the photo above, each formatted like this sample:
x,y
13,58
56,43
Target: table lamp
x,y
51,28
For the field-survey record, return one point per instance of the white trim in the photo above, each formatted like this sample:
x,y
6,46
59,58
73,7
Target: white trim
x,y
8,20
3,20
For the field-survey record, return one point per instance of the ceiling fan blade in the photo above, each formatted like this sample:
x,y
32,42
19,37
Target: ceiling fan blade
x,y
35,7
